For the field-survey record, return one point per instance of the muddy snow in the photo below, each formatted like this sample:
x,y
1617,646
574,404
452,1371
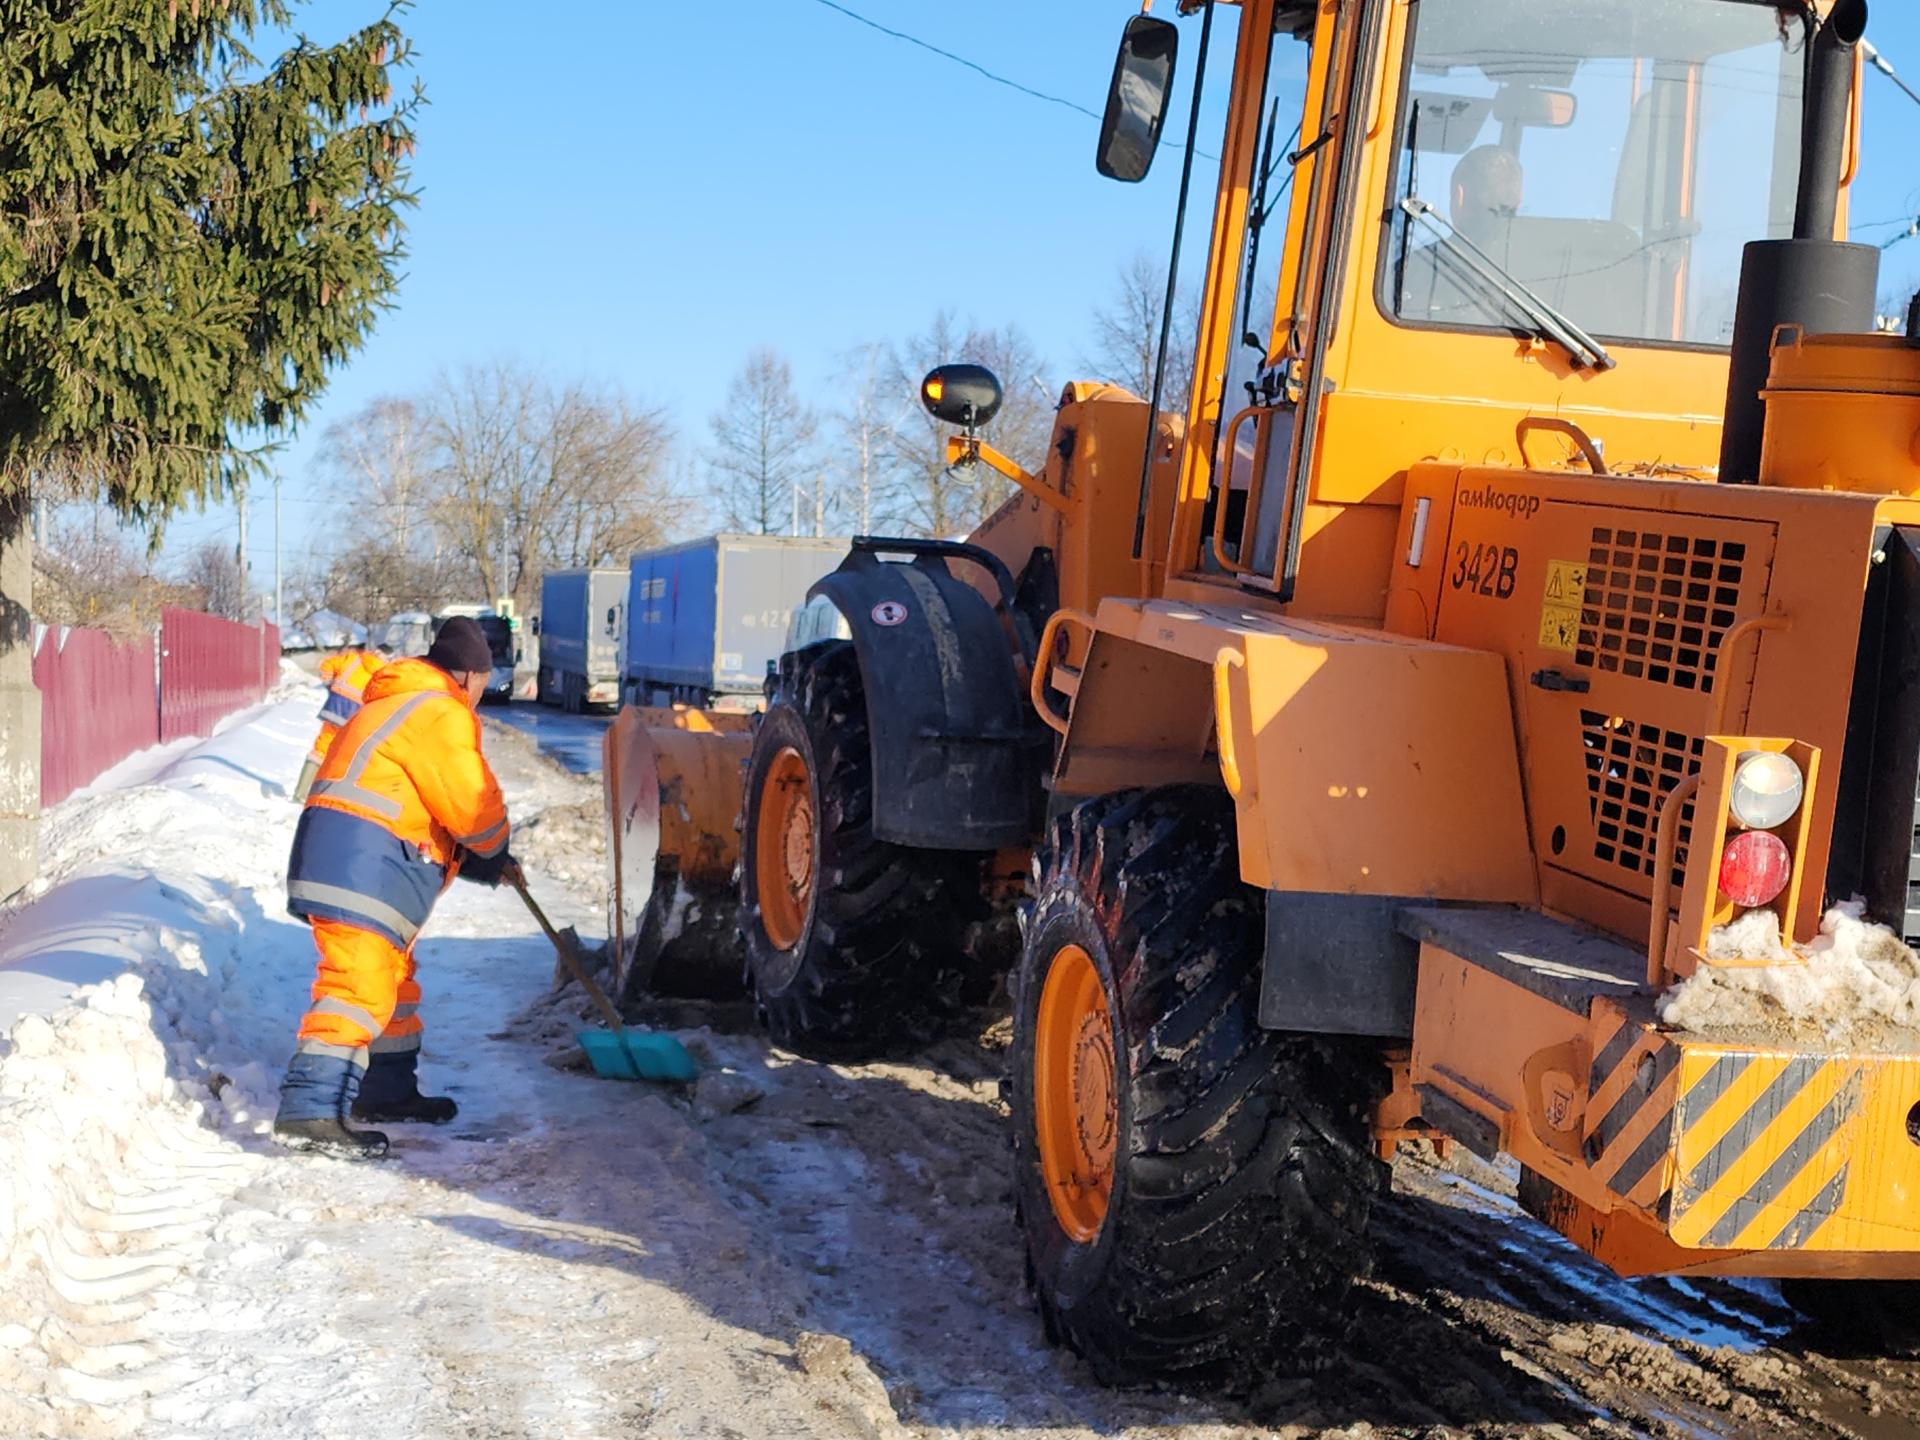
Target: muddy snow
x,y
790,1250
1855,983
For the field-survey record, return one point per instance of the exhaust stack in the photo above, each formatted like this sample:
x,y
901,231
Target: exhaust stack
x,y
1823,285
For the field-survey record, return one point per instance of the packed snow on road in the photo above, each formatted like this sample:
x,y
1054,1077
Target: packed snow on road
x,y
789,1249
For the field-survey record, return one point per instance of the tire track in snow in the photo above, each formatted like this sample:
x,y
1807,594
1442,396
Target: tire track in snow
x,y
116,1188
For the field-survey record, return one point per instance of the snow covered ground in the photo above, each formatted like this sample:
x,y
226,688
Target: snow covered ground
x,y
574,1257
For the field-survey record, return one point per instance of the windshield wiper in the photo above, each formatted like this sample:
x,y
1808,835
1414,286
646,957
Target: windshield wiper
x,y
1548,323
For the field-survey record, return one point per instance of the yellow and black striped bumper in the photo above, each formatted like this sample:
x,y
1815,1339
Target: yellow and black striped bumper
x,y
1753,1147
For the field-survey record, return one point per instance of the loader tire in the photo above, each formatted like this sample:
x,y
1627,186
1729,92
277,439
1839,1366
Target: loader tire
x,y
855,946
1193,1189
1881,1317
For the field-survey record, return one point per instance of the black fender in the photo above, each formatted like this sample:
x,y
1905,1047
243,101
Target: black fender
x,y
957,751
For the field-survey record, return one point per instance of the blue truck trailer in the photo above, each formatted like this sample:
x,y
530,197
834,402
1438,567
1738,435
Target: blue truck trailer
x,y
579,628
705,618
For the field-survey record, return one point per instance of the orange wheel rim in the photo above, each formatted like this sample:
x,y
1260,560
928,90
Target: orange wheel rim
x,y
1075,1109
783,849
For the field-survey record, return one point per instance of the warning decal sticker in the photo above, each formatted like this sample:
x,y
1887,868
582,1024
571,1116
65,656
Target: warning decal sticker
x,y
1560,604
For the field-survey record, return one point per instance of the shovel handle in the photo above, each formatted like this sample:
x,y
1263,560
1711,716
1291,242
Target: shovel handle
x,y
567,955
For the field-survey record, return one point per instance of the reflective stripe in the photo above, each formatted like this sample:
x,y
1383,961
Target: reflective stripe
x,y
354,903
347,787
394,1044
366,799
346,1010
405,1010
356,1053
485,843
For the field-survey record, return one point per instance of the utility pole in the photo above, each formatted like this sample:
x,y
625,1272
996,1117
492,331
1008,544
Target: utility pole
x,y
278,618
506,577
246,588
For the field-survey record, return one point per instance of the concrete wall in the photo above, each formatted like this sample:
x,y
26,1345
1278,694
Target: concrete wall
x,y
19,702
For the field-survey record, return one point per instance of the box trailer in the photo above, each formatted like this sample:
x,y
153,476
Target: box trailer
x,y
704,619
579,629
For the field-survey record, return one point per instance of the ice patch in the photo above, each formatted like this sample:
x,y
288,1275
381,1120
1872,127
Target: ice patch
x,y
1855,977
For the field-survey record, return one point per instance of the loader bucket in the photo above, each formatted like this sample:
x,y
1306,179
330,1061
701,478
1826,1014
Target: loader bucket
x,y
673,780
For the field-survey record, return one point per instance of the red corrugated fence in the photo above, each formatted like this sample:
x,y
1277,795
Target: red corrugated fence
x,y
97,705
101,700
210,668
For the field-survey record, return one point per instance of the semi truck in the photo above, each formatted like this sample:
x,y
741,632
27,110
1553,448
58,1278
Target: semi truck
x,y
579,628
704,619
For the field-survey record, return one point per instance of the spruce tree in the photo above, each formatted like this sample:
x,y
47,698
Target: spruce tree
x,y
190,238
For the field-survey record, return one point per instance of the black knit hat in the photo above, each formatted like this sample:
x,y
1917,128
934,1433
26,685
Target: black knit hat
x,y
461,645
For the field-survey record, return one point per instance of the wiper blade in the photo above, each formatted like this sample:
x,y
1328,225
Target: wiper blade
x,y
1549,323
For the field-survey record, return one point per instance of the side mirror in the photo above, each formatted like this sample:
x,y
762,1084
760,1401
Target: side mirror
x,y
965,395
1137,101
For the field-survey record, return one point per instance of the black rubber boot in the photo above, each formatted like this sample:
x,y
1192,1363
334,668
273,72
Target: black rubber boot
x,y
314,1099
328,1136
390,1094
416,1108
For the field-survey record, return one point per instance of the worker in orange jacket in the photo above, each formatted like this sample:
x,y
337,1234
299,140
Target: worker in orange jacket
x,y
402,803
346,673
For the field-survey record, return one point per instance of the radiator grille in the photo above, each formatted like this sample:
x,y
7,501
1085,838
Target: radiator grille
x,y
1656,605
1630,769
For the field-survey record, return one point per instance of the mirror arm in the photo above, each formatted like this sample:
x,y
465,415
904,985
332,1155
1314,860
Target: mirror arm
x,y
966,449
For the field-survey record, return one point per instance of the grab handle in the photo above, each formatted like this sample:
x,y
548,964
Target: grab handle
x,y
1056,720
1224,664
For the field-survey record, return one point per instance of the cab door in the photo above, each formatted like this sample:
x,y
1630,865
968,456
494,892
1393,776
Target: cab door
x,y
1272,295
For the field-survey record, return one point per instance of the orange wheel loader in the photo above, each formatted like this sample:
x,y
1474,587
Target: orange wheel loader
x,y
1527,605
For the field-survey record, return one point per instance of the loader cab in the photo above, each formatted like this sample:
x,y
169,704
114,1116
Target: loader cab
x,y
1438,225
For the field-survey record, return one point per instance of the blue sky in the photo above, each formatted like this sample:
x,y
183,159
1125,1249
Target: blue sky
x,y
639,191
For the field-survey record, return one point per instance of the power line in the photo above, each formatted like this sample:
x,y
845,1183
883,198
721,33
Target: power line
x,y
977,67
972,65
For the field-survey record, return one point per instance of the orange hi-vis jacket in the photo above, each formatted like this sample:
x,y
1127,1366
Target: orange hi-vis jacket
x,y
403,789
347,676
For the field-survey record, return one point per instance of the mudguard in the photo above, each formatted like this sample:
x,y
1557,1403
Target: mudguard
x,y
956,748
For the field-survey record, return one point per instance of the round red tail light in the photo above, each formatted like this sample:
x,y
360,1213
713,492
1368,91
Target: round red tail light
x,y
1754,868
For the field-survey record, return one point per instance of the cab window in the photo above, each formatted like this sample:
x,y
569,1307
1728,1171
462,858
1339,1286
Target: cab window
x,y
1610,156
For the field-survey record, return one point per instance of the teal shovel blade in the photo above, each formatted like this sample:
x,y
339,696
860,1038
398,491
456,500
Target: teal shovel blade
x,y
643,1056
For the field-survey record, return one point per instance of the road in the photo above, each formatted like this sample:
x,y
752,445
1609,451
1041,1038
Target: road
x,y
836,1257
572,741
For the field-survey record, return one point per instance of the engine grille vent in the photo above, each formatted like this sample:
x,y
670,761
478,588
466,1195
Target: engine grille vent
x,y
1657,606
1630,769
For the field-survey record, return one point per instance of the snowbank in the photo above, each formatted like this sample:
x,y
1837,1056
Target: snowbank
x,y
133,995
1855,979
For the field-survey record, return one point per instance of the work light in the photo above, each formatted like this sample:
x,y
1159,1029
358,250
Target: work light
x,y
1767,787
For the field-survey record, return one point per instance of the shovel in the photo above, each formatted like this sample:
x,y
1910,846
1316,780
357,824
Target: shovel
x,y
617,1053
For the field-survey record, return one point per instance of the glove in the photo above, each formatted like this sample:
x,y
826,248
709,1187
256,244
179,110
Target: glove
x,y
488,870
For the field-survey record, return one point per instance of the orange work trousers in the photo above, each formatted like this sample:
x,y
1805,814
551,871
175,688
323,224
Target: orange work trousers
x,y
365,999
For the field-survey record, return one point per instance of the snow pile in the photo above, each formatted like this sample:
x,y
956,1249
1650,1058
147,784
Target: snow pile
x,y
1855,977
96,1210
113,1095
566,842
